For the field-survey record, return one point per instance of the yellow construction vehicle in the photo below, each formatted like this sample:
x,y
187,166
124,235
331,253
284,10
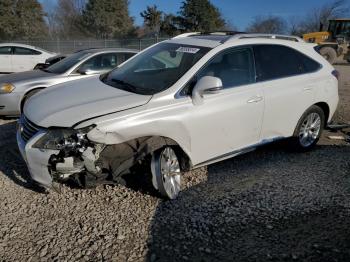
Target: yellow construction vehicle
x,y
333,43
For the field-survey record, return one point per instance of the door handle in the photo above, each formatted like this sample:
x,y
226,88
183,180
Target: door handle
x,y
255,99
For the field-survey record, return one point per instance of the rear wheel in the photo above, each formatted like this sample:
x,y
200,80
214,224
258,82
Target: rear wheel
x,y
166,174
309,129
329,54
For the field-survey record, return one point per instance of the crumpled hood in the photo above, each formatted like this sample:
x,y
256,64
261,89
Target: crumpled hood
x,y
66,104
24,76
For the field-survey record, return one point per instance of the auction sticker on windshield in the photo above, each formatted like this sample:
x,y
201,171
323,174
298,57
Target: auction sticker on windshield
x,y
190,50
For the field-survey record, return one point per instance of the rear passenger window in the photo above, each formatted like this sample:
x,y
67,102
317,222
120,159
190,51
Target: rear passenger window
x,y
234,68
25,51
274,61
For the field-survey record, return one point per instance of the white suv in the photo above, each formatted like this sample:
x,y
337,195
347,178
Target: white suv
x,y
180,104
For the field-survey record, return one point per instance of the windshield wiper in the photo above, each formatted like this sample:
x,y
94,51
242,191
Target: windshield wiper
x,y
128,87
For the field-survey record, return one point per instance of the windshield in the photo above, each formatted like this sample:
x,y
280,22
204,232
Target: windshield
x,y
339,28
156,69
67,63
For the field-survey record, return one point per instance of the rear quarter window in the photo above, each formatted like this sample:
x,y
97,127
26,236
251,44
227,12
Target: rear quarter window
x,y
276,61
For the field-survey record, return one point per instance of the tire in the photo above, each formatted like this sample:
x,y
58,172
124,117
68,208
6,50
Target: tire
x,y
166,174
309,129
27,96
329,54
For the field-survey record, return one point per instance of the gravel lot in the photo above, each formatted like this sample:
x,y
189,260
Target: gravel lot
x,y
268,205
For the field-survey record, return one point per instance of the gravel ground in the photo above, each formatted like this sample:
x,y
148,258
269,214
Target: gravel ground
x,y
268,205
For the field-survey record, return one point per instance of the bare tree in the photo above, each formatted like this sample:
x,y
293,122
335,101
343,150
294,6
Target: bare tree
x,y
267,24
318,17
66,19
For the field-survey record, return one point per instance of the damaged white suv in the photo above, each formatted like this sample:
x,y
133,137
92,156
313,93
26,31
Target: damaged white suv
x,y
180,104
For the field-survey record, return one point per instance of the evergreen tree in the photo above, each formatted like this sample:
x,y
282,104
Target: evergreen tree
x,y
170,25
8,19
22,19
152,18
107,18
31,19
200,15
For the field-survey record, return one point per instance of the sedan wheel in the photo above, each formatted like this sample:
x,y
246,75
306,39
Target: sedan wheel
x,y
166,173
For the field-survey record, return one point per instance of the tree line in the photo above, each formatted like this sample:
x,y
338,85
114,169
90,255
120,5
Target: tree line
x,y
108,19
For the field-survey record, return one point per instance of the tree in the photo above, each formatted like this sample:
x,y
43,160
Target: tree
x,y
67,19
170,25
107,18
268,24
200,15
22,19
318,17
152,18
8,19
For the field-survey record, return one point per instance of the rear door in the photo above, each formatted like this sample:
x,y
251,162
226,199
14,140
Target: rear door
x,y
5,59
289,84
25,59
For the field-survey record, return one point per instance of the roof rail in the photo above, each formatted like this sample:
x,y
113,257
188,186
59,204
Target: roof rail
x,y
228,33
222,32
273,36
186,35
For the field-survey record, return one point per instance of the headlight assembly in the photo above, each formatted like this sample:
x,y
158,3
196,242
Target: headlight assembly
x,y
58,139
6,88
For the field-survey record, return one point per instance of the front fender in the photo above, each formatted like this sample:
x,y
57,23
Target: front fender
x,y
123,132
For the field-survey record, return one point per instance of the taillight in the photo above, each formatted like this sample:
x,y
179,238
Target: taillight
x,y
335,73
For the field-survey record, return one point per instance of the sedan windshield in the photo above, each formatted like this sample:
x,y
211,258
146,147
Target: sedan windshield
x,y
67,63
156,69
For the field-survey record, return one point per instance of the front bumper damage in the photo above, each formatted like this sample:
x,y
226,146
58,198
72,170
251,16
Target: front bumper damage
x,y
93,164
37,160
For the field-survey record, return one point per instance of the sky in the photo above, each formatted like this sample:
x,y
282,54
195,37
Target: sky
x,y
236,12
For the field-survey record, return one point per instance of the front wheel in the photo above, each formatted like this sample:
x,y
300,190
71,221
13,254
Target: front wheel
x,y
166,174
309,129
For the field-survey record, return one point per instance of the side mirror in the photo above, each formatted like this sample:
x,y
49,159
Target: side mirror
x,y
86,71
205,85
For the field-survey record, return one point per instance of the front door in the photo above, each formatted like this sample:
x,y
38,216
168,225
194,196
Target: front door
x,y
231,119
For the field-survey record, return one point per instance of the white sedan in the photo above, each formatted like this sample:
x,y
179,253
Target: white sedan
x,y
19,57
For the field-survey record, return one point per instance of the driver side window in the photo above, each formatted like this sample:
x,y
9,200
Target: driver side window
x,y
234,67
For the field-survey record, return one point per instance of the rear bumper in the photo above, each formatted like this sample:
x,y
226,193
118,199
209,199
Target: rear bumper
x,y
10,104
37,159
